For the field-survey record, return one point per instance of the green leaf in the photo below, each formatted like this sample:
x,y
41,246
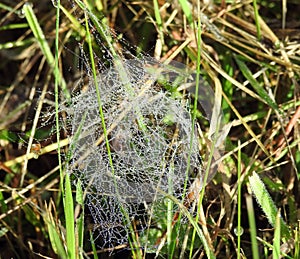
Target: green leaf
x,y
8,135
80,220
186,8
79,193
195,224
257,87
3,231
54,235
80,233
42,41
38,33
264,199
56,242
252,227
16,44
3,206
276,241
69,214
75,24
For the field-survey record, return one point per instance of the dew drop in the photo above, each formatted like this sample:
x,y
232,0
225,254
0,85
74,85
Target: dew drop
x,y
238,232
26,5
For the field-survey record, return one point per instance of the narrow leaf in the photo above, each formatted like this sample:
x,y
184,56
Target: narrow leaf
x,y
186,8
276,241
69,214
265,201
38,33
257,87
252,227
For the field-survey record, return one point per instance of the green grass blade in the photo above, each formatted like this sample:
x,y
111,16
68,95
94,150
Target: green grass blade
x,y
3,231
170,205
6,7
106,36
11,10
297,160
44,46
56,96
69,217
95,79
93,246
118,62
13,26
54,233
265,201
3,205
133,243
75,24
258,88
252,227
239,213
80,220
276,241
55,240
193,222
15,44
38,33
186,8
78,230
65,183
157,14
159,24
256,16
184,5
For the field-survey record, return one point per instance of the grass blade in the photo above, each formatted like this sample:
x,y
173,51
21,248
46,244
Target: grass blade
x,y
239,213
80,220
265,201
75,24
55,240
69,214
65,183
256,16
186,8
15,44
44,46
259,89
38,33
136,252
252,227
54,234
93,246
160,38
276,241
193,222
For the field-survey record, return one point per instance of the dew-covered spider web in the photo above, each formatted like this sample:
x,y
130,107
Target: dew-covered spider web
x,y
144,148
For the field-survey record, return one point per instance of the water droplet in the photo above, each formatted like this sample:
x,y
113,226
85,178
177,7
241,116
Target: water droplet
x,y
238,232
21,14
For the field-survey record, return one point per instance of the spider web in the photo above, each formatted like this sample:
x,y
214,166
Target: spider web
x,y
149,149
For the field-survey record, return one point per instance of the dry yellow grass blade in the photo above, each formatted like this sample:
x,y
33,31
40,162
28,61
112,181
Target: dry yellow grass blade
x,y
257,140
31,155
